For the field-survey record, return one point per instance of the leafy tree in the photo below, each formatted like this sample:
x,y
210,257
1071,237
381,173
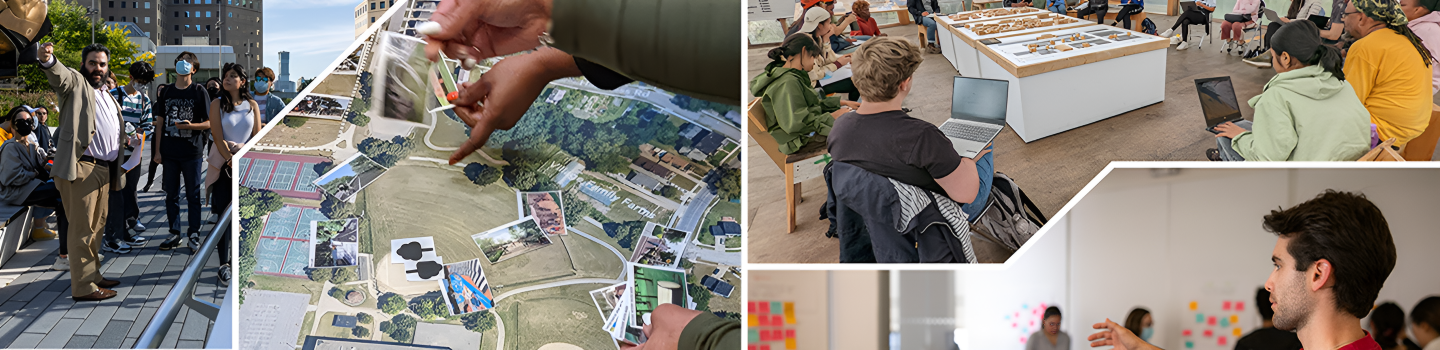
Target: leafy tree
x,y
336,293
575,209
295,122
303,83
324,167
429,307
402,335
387,153
627,233
667,133
482,174
670,192
365,318
724,182
342,275
386,327
404,326
258,202
479,321
700,296
359,119
71,30
391,303
318,275
334,208
360,332
696,105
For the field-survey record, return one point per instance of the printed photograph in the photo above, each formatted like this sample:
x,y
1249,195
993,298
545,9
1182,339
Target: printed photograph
x,y
512,239
321,106
547,208
655,285
465,288
334,243
402,76
608,299
346,180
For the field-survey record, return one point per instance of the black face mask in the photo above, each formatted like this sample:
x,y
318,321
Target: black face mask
x,y
23,127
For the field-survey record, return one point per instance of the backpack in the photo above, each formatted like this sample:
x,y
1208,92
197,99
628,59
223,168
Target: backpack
x,y
1147,26
1005,224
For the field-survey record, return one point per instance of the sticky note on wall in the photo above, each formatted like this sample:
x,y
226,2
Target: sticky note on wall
x,y
754,335
1194,305
1185,332
1238,332
1189,344
1209,333
752,320
790,344
1234,318
1221,341
776,306
1199,318
1239,306
1225,305
763,308
1210,320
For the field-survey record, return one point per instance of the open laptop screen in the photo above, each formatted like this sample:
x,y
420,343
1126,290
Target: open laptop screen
x,y
979,99
1217,100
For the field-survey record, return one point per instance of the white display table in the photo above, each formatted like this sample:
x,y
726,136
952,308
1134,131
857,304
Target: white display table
x,y
1052,91
961,55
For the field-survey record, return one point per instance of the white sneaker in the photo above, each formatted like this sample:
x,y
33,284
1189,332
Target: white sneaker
x,y
61,264
1167,33
139,227
1183,45
1175,40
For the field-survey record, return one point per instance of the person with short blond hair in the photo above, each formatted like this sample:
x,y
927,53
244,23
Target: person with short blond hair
x,y
881,138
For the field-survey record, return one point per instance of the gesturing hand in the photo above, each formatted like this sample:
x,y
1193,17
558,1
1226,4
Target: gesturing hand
x,y
506,91
46,51
663,331
479,29
1117,336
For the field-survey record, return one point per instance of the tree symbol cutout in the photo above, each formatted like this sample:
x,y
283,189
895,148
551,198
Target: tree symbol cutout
x,y
426,269
412,251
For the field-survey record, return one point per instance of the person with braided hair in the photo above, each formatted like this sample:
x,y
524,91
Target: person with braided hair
x,y
1389,68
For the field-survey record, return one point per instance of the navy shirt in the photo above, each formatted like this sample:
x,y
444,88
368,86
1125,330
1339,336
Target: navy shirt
x,y
190,104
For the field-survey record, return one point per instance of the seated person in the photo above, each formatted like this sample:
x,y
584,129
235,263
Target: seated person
x,y
1197,16
820,29
1389,69
1127,9
1425,22
921,10
1096,7
839,42
1307,111
794,113
1299,11
882,139
1056,6
24,172
1019,3
1232,31
1425,323
867,25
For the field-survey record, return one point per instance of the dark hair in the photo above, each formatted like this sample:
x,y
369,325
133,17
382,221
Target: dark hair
x,y
1301,39
1427,312
1389,322
1350,232
792,45
92,48
226,104
142,73
265,72
1135,321
1295,8
1051,311
194,60
13,113
1262,304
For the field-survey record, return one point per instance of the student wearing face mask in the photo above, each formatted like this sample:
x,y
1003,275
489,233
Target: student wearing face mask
x,y
182,110
25,176
1267,337
264,82
1140,322
1049,337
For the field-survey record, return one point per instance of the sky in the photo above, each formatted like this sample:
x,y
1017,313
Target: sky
x,y
316,32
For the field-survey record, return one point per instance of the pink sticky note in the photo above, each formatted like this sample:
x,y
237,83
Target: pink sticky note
x,y
1185,332
1032,323
1209,333
1014,325
764,346
764,321
1042,306
1239,306
1022,340
1221,341
777,320
1017,315
764,308
753,347
789,334
751,307
1225,306
1210,320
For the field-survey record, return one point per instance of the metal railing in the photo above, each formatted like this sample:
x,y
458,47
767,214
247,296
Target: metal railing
x,y
183,293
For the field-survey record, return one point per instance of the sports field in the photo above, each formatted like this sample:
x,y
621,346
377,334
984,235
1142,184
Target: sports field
x,y
283,246
288,175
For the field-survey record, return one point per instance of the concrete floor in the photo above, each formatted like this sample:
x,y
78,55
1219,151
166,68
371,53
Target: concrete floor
x,y
1050,170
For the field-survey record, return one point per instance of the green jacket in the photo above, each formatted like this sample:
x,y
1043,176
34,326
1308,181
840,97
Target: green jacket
x,y
708,332
1306,115
688,47
792,109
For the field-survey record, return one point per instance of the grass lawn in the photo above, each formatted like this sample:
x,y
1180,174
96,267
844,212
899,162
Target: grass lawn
x,y
419,199
336,84
541,265
729,147
305,326
683,183
721,209
289,284
597,232
592,259
732,242
315,132
555,315
326,330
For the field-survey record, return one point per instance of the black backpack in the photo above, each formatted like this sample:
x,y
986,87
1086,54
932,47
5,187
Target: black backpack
x,y
1009,219
1147,26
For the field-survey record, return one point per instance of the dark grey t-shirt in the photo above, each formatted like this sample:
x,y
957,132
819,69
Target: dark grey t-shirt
x,y
894,145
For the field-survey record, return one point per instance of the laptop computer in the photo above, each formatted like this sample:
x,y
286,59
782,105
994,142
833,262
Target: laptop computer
x,y
1320,21
1217,100
977,113
1187,6
1271,16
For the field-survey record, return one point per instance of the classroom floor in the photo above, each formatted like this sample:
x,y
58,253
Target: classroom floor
x,y
1051,170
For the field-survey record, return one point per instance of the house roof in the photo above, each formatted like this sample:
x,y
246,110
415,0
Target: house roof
x,y
717,286
710,143
651,166
674,160
725,228
643,180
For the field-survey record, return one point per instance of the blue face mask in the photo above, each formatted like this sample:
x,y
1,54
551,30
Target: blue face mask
x,y
262,85
184,68
1146,333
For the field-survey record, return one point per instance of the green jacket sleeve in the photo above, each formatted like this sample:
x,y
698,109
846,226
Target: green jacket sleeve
x,y
795,115
1273,137
687,47
708,332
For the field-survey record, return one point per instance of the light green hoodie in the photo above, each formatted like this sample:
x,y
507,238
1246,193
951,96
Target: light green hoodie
x,y
792,109
1306,115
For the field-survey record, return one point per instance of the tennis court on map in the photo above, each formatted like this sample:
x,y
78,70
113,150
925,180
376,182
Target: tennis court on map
x,y
282,250
288,175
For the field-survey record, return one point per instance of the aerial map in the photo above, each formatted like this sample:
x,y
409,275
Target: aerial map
x,y
597,206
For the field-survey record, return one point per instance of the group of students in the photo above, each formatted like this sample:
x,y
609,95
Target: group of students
x,y
187,126
1337,92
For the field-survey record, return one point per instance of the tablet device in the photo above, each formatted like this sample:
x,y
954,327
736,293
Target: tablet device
x,y
1320,21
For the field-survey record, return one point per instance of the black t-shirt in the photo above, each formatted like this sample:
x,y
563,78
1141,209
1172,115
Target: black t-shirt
x,y
894,145
189,104
1269,339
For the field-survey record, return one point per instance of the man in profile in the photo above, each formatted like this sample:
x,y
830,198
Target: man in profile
x,y
1267,337
1332,255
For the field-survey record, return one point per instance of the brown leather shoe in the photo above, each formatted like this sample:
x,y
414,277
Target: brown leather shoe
x,y
107,283
98,295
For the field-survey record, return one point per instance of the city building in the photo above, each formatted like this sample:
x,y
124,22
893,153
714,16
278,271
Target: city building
x,y
417,11
284,87
369,11
137,35
234,23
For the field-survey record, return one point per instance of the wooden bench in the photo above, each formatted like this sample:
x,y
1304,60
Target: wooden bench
x,y
1422,148
15,230
1383,153
807,163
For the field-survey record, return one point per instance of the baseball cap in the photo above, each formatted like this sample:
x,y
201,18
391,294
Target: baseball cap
x,y
813,17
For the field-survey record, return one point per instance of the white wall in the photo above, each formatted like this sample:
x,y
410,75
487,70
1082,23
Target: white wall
x,y
986,297
1137,240
833,309
808,289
